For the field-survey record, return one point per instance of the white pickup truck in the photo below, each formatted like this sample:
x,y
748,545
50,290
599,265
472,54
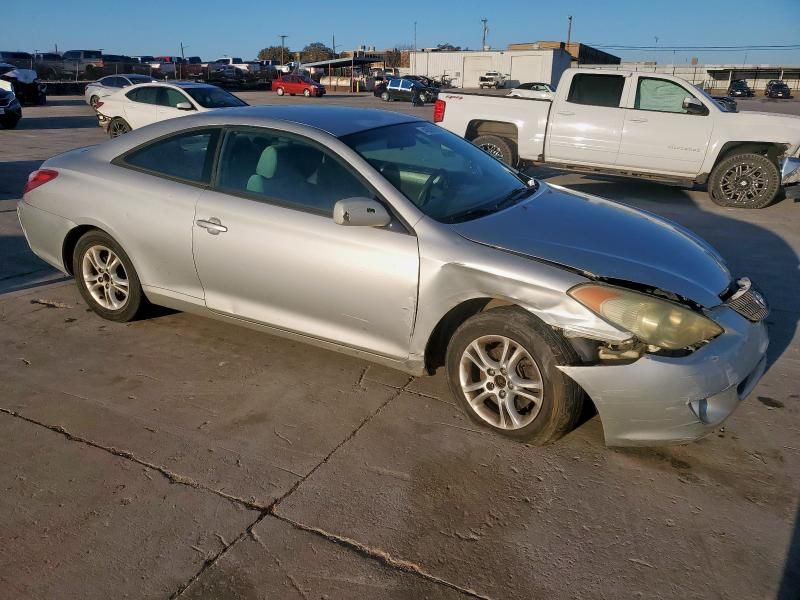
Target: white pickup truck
x,y
638,125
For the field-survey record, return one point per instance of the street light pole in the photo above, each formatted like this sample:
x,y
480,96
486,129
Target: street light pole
x,y
283,38
569,31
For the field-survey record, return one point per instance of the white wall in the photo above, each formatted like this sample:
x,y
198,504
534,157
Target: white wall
x,y
464,68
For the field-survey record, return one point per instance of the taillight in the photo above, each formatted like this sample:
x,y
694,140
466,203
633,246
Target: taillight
x,y
98,104
38,178
438,111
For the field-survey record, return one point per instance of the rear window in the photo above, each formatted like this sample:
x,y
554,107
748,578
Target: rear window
x,y
596,90
92,54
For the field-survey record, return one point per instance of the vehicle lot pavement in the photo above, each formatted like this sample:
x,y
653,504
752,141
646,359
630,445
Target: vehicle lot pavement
x,y
178,456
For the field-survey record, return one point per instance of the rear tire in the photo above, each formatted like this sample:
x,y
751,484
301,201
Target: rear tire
x,y
502,395
385,96
501,148
106,278
280,91
744,180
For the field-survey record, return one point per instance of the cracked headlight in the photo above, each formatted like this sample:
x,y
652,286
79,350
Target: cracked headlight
x,y
655,321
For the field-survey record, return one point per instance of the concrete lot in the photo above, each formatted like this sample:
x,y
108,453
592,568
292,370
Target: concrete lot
x,y
180,457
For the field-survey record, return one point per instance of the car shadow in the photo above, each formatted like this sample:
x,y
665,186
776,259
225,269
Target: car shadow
x,y
13,176
51,101
78,122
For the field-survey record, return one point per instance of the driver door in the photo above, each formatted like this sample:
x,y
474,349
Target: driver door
x,y
277,257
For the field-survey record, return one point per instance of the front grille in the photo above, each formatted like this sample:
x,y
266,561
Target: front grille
x,y
749,302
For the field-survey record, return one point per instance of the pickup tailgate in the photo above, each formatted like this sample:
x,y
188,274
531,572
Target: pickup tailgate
x,y
521,120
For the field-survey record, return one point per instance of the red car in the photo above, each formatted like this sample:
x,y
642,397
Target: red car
x,y
297,84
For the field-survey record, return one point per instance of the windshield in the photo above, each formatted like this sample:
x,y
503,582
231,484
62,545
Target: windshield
x,y
213,97
445,176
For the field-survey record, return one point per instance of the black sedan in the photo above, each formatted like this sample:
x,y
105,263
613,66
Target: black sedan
x,y
10,109
739,88
407,90
777,89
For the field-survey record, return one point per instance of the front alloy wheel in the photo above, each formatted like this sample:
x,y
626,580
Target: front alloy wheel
x,y
501,381
744,181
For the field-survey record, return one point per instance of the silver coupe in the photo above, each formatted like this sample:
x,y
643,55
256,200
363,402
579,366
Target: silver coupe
x,y
386,237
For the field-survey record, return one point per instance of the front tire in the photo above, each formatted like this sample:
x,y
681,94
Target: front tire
x,y
306,93
501,148
385,96
106,278
118,127
502,367
744,180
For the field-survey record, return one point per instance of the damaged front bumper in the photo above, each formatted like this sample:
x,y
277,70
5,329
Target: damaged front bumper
x,y
662,400
103,121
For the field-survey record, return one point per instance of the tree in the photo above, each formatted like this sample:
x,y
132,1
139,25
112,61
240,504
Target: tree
x,y
392,58
316,51
274,53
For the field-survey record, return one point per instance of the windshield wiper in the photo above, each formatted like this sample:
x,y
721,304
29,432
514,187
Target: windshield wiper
x,y
509,199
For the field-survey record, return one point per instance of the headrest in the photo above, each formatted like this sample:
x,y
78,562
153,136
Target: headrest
x,y
268,163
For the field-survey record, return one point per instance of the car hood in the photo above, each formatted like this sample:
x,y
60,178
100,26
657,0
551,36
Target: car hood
x,y
606,240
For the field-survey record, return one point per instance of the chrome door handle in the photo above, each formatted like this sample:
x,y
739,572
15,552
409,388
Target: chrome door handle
x,y
638,120
565,113
213,225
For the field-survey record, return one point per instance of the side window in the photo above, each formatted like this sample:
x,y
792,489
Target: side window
x,y
596,90
286,169
187,156
406,84
660,95
170,97
146,95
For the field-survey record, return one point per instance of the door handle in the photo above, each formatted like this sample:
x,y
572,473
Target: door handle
x,y
638,120
213,225
565,113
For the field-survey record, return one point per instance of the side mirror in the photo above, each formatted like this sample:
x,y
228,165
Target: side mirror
x,y
360,212
693,106
184,106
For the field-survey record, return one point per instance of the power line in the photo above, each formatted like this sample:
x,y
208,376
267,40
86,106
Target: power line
x,y
725,48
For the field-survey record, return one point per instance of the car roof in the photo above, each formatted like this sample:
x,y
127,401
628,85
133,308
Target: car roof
x,y
338,121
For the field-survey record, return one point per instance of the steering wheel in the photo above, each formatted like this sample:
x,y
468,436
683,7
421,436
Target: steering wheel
x,y
425,193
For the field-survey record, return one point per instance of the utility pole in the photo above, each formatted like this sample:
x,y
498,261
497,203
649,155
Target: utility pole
x,y
569,31
415,36
182,49
485,22
283,38
333,46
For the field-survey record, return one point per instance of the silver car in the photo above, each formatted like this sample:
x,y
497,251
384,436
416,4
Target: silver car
x,y
386,237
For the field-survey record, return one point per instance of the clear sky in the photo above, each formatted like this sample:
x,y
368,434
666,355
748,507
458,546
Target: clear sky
x,y
212,28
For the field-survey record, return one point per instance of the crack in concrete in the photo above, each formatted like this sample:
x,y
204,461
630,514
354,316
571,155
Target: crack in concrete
x,y
382,557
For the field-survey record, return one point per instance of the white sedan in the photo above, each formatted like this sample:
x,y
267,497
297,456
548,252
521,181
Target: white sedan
x,y
148,103
105,86
538,91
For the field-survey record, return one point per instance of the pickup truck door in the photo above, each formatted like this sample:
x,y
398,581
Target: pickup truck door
x,y
585,128
659,134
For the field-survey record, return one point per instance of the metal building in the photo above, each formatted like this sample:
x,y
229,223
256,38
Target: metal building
x,y
465,67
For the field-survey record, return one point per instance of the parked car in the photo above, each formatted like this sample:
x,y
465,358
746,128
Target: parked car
x,y
193,68
405,90
493,79
229,62
777,89
83,63
538,91
297,84
643,125
24,83
10,108
105,86
531,297
147,103
739,88
49,65
23,60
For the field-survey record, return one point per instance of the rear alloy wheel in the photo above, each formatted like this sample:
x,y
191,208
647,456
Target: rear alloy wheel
x,y
744,181
118,127
106,278
93,101
385,96
306,93
501,148
280,91
502,367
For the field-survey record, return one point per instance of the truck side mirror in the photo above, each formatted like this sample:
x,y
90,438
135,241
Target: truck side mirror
x,y
693,106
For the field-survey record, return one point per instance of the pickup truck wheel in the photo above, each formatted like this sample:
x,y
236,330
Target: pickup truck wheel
x,y
744,181
502,367
501,148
